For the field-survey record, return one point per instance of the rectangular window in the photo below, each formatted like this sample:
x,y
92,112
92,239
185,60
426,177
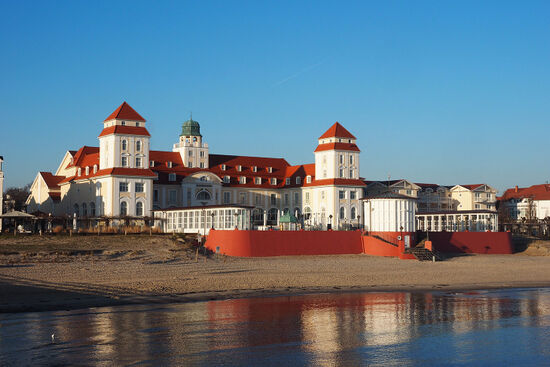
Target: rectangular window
x,y
190,153
139,187
151,163
322,194
156,195
351,159
224,167
172,196
341,173
308,179
342,194
258,199
124,162
341,159
286,199
242,180
307,197
258,180
190,164
296,198
287,181
254,168
202,154
273,181
242,197
298,180
239,168
269,169
352,195
202,165
226,197
171,177
273,199
138,162
350,173
226,179
123,187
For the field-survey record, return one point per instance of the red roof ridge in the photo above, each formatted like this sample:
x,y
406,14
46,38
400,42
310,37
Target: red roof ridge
x,y
126,112
337,131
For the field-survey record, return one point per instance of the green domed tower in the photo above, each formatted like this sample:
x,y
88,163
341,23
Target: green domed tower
x,y
193,151
191,128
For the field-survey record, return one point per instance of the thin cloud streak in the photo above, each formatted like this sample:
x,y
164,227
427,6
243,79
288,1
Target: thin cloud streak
x,y
304,70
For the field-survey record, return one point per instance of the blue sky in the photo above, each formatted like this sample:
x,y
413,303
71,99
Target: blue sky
x,y
436,91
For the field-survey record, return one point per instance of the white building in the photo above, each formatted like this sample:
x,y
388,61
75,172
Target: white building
x,y
527,203
124,177
389,212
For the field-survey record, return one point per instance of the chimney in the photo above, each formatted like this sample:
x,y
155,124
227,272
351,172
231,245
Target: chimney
x,y
516,189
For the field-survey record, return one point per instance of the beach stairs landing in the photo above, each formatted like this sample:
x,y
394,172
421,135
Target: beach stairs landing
x,y
423,254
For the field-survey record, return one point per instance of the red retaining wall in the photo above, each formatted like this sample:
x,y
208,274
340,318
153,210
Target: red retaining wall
x,y
284,243
376,247
472,242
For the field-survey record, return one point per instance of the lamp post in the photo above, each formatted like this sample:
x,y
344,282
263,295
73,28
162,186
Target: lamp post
x,y
329,225
359,222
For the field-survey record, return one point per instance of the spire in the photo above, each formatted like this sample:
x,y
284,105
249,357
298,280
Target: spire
x,y
125,112
337,131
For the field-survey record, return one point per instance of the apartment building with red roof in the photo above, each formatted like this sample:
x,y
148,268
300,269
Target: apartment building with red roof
x,y
124,177
527,203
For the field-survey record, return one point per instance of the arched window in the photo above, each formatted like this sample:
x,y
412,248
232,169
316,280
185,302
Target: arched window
x,y
258,216
124,144
84,209
307,213
75,209
92,209
352,213
272,216
123,208
138,146
139,209
342,213
203,195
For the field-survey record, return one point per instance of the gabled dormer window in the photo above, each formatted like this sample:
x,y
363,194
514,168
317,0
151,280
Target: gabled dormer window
x,y
298,180
95,168
308,179
224,167
172,177
169,164
87,170
239,168
258,180
79,171
226,179
273,181
242,180
254,168
287,181
151,163
270,169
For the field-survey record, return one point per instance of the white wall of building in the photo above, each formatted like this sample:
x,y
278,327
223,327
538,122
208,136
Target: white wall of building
x,y
389,215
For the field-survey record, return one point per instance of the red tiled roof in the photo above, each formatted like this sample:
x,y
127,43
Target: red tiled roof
x,y
535,192
337,146
337,131
472,187
125,112
51,180
56,196
85,156
125,130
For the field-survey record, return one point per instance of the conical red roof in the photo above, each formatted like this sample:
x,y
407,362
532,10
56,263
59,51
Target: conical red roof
x,y
337,131
125,112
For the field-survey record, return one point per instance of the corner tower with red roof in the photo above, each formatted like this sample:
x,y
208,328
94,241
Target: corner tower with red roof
x,y
337,155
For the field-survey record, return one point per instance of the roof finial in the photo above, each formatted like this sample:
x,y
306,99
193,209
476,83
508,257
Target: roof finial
x,y
191,115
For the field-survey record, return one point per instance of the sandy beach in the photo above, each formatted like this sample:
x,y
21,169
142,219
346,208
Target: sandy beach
x,y
49,273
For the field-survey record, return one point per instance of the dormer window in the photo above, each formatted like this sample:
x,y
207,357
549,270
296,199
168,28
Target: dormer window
x,y
242,180
258,180
270,169
79,171
239,168
151,163
172,177
137,124
224,167
273,181
308,179
298,180
87,170
123,123
95,168
287,181
226,179
254,168
169,164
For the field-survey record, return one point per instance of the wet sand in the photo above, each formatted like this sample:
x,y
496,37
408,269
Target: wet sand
x,y
134,270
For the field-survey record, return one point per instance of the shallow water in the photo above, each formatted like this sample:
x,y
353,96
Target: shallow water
x,y
504,327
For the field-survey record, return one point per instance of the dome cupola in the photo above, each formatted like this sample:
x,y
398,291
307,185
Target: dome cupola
x,y
191,128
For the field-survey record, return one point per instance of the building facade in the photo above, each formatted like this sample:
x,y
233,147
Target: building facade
x,y
526,203
123,177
